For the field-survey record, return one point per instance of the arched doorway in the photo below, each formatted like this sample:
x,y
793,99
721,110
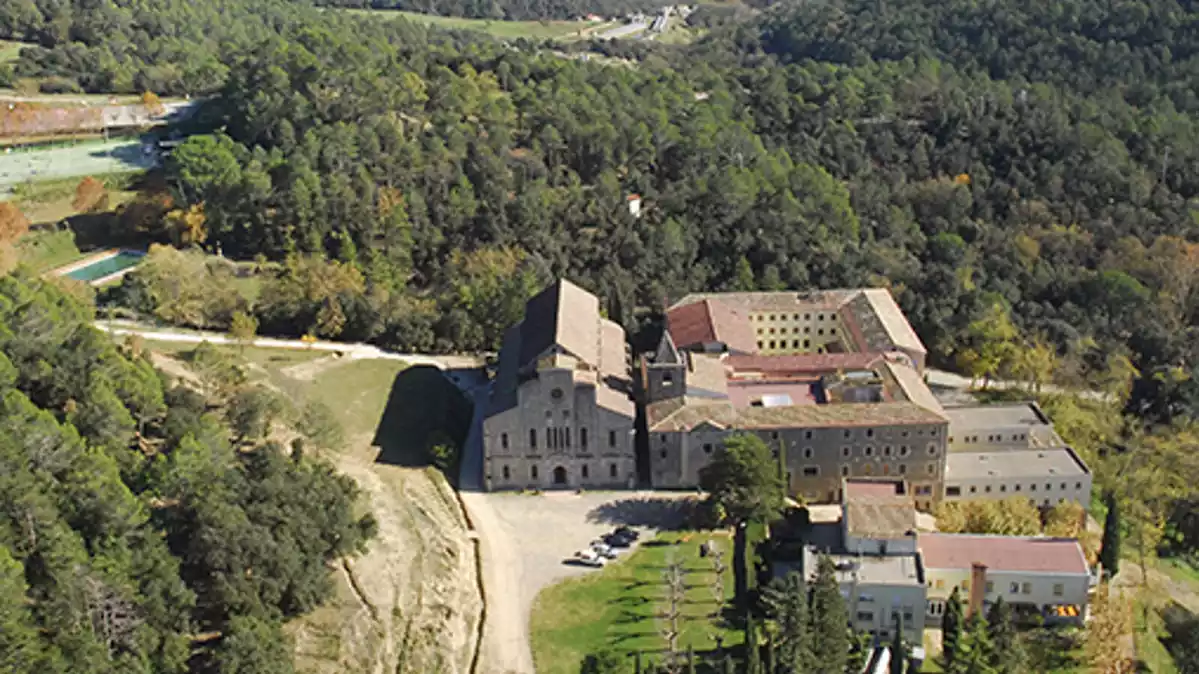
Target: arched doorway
x,y
560,475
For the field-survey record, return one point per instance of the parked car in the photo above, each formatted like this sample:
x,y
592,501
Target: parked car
x,y
603,550
616,541
589,558
628,532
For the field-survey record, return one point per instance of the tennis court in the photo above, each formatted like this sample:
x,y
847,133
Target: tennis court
x,y
20,166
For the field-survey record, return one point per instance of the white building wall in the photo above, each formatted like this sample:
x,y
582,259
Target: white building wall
x,y
1046,491
1015,436
1041,589
875,546
874,608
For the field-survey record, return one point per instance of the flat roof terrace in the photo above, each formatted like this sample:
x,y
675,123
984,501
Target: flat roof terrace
x,y
972,417
1032,463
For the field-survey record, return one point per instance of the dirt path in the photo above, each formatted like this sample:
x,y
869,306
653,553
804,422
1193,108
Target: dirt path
x,y
505,646
412,603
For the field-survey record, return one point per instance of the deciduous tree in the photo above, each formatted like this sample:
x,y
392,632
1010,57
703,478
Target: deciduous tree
x,y
742,482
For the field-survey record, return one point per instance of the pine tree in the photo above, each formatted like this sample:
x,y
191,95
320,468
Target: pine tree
x,y
951,627
753,652
1109,553
1006,654
899,655
829,621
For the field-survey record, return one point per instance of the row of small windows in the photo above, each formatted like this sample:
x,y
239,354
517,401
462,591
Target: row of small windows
x,y
782,344
1013,587
870,432
533,473
955,490
868,469
846,450
794,317
997,437
559,437
868,617
807,331
868,450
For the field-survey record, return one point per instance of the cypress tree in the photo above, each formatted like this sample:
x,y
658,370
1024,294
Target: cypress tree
x,y
975,651
951,627
899,655
1109,554
753,653
728,667
829,621
786,601
771,662
690,660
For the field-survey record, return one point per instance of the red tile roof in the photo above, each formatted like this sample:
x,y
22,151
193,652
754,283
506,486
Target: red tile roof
x,y
804,362
1003,553
711,321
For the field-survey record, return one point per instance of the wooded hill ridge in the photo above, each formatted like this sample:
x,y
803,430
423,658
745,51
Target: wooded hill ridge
x,y
448,175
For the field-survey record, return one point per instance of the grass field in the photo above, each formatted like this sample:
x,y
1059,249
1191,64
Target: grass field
x,y
507,30
615,607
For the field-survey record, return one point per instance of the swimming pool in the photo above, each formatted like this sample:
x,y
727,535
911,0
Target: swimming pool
x,y
106,266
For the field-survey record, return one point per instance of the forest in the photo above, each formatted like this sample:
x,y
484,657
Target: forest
x,y
445,175
145,527
1023,176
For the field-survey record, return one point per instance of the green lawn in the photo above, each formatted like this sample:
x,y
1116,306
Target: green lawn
x,y
403,409
1181,571
615,607
49,201
44,250
508,30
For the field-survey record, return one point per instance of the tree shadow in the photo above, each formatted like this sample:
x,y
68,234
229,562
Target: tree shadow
x,y
659,513
424,409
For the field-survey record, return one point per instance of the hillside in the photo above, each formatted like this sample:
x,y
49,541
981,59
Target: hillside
x,y
145,530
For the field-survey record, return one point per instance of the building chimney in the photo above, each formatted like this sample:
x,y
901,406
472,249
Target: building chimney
x,y
635,205
978,587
